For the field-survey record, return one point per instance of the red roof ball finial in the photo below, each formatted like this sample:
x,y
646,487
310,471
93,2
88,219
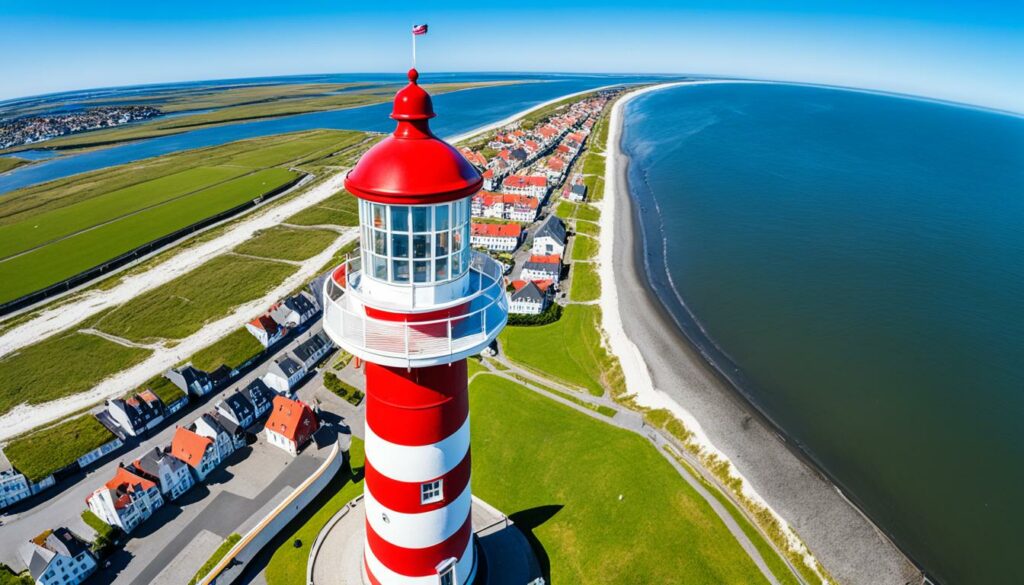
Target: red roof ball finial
x,y
412,102
412,166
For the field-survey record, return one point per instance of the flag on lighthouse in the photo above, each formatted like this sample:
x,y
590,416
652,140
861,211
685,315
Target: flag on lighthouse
x,y
419,29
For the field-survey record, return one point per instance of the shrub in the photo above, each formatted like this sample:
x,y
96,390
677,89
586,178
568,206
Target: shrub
x,y
343,390
550,315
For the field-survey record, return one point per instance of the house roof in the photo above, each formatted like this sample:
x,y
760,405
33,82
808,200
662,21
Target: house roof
x,y
189,446
125,481
239,404
289,417
552,228
497,230
301,304
287,366
266,323
548,259
258,392
150,462
529,292
579,189
310,347
547,267
523,181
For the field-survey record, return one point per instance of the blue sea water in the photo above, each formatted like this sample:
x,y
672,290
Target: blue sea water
x,y
856,263
458,112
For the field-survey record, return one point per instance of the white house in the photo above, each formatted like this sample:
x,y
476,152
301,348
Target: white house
x,y
208,426
190,380
170,473
261,397
238,409
14,486
195,450
283,375
291,424
295,310
266,330
137,414
125,501
58,557
550,237
542,268
312,350
530,298
498,237
530,185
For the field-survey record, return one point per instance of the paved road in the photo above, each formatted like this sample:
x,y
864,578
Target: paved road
x,y
65,502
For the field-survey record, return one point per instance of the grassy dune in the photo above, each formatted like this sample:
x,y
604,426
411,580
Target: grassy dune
x,y
40,453
285,243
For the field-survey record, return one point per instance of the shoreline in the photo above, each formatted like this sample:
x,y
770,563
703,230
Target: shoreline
x,y
675,373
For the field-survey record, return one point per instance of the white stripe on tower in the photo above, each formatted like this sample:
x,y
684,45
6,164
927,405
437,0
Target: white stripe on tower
x,y
418,463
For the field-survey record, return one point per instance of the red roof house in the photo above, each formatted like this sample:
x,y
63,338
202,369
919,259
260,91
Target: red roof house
x,y
291,424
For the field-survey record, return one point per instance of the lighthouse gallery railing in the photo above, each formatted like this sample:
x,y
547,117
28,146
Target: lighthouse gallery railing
x,y
487,312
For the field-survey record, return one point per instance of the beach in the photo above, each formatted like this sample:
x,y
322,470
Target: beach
x,y
664,370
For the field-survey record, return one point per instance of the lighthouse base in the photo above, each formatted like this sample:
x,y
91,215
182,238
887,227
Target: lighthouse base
x,y
503,555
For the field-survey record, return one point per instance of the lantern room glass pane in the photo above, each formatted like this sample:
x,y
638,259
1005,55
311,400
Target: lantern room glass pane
x,y
379,217
399,246
421,219
421,246
380,268
399,218
441,269
441,217
441,245
456,265
421,271
457,240
400,270
380,243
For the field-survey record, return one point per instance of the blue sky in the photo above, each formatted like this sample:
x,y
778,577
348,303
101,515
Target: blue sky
x,y
967,51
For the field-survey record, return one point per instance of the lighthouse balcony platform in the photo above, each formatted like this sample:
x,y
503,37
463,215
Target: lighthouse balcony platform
x,y
408,334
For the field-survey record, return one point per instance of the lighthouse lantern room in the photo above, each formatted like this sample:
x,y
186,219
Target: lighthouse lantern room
x,y
413,305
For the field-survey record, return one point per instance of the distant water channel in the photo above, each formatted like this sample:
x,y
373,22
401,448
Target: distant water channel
x,y
458,112
858,261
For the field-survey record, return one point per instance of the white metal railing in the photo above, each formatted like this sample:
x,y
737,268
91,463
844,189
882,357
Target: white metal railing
x,y
347,322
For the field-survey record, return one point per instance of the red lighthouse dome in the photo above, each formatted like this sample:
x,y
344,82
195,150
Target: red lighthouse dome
x,y
412,166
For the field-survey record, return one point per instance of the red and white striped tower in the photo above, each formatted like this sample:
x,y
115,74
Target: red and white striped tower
x,y
414,304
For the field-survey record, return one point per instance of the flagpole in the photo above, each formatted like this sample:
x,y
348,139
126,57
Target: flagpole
x,y
413,50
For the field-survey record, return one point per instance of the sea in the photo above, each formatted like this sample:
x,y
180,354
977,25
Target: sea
x,y
854,263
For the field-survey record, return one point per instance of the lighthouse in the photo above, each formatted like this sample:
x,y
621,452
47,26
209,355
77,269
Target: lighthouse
x,y
414,304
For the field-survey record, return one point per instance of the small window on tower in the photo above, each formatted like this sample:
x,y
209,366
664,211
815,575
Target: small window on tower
x,y
431,492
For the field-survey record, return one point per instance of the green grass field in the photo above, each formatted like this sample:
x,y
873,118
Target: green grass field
x,y
285,243
565,209
164,389
570,350
64,227
584,247
586,285
287,566
587,212
339,209
588,228
231,351
9,163
61,366
560,474
40,453
181,307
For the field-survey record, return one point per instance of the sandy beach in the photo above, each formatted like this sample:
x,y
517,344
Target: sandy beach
x,y
665,371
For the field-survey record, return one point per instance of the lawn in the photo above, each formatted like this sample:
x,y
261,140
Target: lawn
x,y
565,209
588,228
570,350
287,566
8,577
61,366
287,243
182,306
67,257
587,212
586,285
39,453
231,351
338,209
215,558
590,493
584,247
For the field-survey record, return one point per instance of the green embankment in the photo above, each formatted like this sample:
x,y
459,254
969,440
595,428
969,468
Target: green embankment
x,y
231,351
182,306
53,231
61,366
569,349
339,209
40,453
586,286
286,243
215,558
589,492
9,163
584,247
